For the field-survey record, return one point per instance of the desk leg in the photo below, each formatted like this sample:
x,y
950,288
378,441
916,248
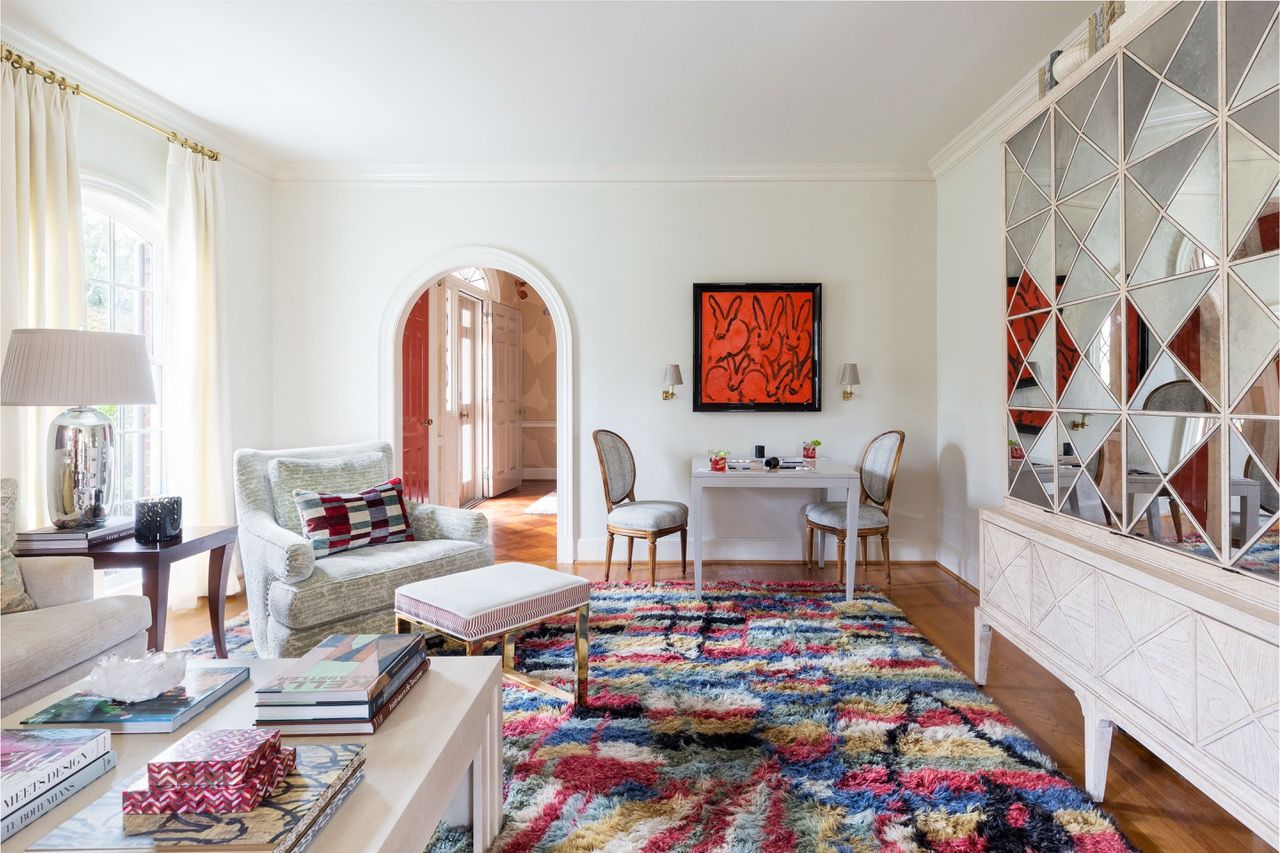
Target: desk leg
x,y
219,570
155,586
486,779
851,533
695,498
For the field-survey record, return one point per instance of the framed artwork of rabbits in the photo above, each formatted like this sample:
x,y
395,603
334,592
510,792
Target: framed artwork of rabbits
x,y
756,347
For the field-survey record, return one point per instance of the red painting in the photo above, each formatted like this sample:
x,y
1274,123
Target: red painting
x,y
756,347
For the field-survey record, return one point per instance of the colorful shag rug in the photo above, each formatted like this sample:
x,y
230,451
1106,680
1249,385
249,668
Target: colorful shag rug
x,y
772,717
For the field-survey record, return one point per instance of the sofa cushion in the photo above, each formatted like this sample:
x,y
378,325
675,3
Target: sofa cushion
x,y
373,516
359,581
42,643
343,475
13,590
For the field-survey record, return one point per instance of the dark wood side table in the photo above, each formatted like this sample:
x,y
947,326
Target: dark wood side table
x,y
155,560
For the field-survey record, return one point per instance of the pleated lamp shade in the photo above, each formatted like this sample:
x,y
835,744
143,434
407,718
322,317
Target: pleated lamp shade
x,y
671,375
65,367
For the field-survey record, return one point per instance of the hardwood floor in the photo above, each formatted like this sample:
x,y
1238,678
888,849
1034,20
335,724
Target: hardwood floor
x,y
1155,807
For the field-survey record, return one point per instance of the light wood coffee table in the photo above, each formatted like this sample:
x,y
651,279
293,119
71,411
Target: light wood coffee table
x,y
451,722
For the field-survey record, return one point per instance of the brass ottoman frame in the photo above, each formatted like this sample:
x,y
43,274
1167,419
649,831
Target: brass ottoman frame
x,y
581,640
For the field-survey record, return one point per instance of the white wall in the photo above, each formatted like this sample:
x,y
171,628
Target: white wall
x,y
624,256
970,351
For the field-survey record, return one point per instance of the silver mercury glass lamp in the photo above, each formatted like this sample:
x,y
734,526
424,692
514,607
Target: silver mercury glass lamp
x,y
61,367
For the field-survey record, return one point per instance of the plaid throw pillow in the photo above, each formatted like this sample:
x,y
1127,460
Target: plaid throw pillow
x,y
336,523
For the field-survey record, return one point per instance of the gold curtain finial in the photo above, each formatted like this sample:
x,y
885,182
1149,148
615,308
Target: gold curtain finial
x,y
49,76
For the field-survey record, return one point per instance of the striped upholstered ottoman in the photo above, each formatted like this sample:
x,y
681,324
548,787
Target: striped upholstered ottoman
x,y
497,601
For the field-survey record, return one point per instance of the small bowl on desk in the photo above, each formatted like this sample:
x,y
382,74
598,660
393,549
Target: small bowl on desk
x,y
157,519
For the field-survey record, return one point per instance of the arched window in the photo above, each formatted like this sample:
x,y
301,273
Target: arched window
x,y
473,276
123,267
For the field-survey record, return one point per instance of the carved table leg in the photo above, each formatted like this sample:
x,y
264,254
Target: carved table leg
x,y
981,647
1097,745
219,571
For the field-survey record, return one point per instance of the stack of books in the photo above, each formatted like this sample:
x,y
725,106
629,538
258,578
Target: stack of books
x,y
217,771
348,684
39,769
73,539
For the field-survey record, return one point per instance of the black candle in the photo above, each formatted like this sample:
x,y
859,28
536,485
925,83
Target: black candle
x,y
157,519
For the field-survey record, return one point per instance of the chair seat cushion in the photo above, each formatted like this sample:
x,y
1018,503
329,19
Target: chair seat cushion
x,y
832,514
649,515
492,600
354,582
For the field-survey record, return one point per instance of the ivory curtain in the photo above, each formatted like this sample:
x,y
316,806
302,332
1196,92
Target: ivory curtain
x,y
41,254
196,400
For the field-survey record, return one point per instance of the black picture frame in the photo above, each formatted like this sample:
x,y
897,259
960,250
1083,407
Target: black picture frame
x,y
721,348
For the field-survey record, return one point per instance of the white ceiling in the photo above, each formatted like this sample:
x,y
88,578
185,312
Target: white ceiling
x,y
550,83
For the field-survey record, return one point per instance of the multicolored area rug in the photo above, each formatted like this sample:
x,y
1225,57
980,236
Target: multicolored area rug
x,y
772,717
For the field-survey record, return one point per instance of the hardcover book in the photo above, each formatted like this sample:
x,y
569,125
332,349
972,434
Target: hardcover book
x,y
59,791
311,711
168,712
323,776
213,757
244,796
32,761
353,726
343,668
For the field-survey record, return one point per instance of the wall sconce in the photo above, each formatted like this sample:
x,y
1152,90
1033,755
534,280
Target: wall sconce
x,y
849,378
671,378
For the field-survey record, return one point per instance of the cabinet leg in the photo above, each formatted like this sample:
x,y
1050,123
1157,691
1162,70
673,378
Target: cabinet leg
x,y
1097,746
981,648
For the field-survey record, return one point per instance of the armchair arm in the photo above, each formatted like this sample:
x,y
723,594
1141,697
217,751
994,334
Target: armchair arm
x,y
430,521
54,581
267,547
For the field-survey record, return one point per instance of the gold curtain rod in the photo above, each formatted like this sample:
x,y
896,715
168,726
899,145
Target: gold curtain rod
x,y
21,62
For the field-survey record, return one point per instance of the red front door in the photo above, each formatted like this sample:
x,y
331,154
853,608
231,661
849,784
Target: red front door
x,y
415,431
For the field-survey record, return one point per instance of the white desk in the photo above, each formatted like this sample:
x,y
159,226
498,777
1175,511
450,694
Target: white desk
x,y
824,475
449,722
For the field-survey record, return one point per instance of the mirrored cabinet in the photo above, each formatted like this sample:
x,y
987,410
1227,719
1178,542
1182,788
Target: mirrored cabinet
x,y
1142,270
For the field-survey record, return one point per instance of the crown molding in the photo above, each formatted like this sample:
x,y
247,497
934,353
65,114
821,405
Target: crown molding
x,y
111,85
409,174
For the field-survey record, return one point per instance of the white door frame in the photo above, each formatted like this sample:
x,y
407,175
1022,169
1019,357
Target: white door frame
x,y
391,331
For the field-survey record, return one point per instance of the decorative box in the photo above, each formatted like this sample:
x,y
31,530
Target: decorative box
x,y
139,798
220,758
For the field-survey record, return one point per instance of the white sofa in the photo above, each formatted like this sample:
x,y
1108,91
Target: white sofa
x,y
58,642
296,600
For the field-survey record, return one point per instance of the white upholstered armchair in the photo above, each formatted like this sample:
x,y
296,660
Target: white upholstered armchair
x,y
296,600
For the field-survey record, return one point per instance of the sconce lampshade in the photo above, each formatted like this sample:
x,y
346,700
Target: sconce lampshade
x,y
671,376
67,367
849,375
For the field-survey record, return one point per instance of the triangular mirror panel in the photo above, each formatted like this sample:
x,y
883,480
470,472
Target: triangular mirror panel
x,y
1164,305
1162,172
1156,44
1252,335
1103,124
1263,396
1024,140
1140,217
1264,72
1142,475
1013,360
1039,166
1170,439
1262,276
1087,165
1086,279
1067,475
1195,207
1166,387
1065,251
1027,297
1068,357
1170,252
1086,431
1027,393
1064,143
1041,358
1191,484
1251,173
1040,264
1107,468
1262,119
1012,181
1263,233
1017,451
1136,456
1086,391
1083,319
1085,503
1024,235
1143,492
1141,348
1077,103
1030,200
1246,24
1195,65
1026,330
1104,237
1027,487
1260,440
1171,115
1260,558
1082,209
1139,88
1012,266
1197,344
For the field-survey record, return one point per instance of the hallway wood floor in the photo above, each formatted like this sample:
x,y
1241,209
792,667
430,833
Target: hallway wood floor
x,y
1155,807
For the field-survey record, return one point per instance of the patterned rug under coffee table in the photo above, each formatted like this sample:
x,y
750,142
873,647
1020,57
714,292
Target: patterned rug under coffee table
x,y
771,717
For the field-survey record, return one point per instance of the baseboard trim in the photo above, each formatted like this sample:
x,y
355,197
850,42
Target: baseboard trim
x,y
537,473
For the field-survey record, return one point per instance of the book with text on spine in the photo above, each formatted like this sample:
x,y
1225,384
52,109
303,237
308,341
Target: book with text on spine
x,y
32,761
368,726
52,796
342,668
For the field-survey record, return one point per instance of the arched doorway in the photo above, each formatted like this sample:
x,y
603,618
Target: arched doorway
x,y
391,371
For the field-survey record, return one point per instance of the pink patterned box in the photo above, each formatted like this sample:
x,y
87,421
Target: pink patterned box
x,y
220,758
207,799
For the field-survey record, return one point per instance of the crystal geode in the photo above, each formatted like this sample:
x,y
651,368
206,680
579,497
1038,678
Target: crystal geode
x,y
137,679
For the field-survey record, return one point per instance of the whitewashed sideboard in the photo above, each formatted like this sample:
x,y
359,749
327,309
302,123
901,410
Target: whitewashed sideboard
x,y
1187,664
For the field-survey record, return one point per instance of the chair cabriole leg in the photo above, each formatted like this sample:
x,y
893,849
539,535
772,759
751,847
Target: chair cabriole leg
x,y
884,550
653,559
684,551
608,555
